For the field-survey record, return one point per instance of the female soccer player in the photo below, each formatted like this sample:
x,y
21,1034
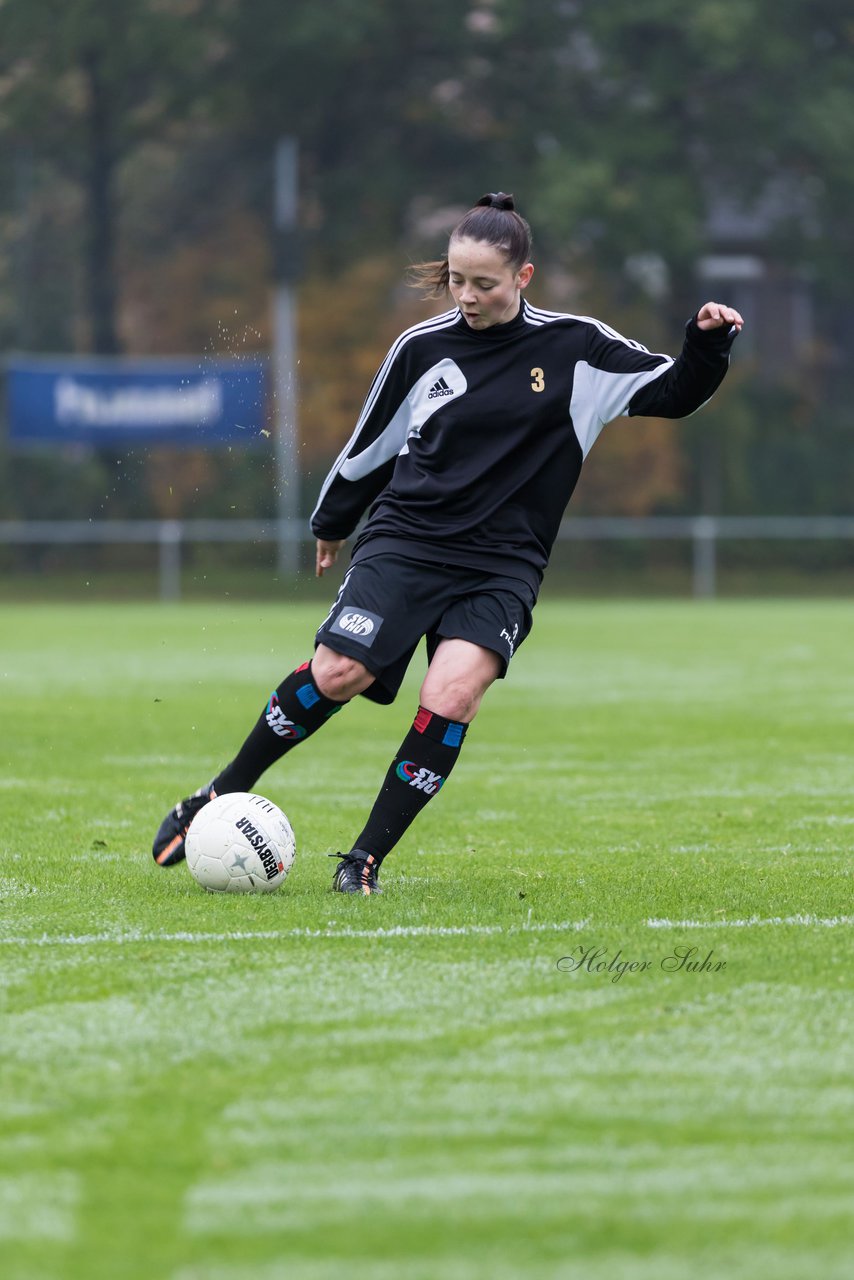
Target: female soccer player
x,y
466,452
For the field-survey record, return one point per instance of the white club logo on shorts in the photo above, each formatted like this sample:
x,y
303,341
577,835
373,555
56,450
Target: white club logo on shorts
x,y
356,623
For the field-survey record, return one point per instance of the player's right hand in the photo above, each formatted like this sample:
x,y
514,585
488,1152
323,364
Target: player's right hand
x,y
327,554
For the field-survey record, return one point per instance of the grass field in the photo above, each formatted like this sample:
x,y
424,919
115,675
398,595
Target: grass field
x,y
438,1084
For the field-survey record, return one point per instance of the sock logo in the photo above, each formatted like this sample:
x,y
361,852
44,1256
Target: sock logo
x,y
417,776
279,722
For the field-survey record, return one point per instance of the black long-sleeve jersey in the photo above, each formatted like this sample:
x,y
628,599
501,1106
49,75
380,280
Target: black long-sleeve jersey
x,y
470,442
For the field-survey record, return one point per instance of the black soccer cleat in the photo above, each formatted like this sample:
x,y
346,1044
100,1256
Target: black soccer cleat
x,y
356,873
168,847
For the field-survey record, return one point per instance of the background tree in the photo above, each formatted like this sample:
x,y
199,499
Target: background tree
x,y
137,141
84,84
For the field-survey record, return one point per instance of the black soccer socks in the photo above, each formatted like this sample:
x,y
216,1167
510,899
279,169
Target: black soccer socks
x,y
294,711
427,755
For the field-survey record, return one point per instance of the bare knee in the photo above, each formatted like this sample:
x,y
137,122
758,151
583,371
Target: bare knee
x,y
337,676
455,699
452,705
457,679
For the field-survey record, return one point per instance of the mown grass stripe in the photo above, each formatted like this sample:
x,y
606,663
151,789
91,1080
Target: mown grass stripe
x,y
818,922
398,931
413,931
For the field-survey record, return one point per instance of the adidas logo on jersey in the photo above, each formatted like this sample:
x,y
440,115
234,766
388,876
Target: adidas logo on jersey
x,y
439,388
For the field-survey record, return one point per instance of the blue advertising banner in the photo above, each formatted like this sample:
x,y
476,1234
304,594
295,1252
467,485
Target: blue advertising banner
x,y
95,401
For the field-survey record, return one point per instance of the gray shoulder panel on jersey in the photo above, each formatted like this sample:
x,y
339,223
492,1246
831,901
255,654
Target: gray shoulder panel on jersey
x,y
599,397
444,381
434,324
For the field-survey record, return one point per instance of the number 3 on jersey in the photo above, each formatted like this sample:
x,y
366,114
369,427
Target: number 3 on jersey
x,y
538,382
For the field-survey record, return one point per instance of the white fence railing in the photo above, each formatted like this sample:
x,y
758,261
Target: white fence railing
x,y
704,533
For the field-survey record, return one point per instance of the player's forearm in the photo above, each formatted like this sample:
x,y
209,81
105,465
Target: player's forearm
x,y
692,379
342,504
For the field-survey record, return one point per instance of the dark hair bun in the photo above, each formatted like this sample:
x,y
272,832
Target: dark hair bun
x,y
510,233
497,200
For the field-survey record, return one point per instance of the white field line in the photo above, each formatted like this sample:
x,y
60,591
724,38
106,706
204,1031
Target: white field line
x,y
398,931
408,931
753,922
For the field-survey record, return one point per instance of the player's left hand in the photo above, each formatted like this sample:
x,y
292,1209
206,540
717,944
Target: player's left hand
x,y
712,315
327,554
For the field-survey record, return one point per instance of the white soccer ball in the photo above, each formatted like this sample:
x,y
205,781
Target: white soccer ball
x,y
240,843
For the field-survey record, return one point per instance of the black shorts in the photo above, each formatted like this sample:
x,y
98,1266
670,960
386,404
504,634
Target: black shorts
x,y
388,603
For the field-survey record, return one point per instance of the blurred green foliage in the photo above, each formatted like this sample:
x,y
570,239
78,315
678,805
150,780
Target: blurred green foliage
x,y
136,141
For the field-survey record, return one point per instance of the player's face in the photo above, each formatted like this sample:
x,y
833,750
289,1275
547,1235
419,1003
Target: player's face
x,y
483,285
